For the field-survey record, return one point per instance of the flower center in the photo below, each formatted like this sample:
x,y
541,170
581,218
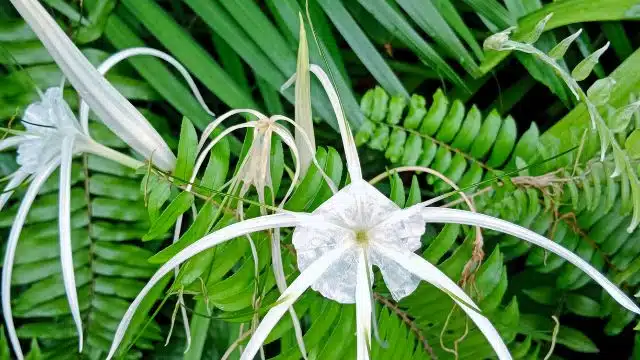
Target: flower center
x,y
361,237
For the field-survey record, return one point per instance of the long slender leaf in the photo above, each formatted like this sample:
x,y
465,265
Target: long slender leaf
x,y
453,18
219,20
362,47
395,23
493,11
189,52
156,73
288,11
426,15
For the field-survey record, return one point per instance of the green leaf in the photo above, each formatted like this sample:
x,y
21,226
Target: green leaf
x,y
564,14
427,16
187,150
584,68
207,215
582,305
34,352
493,11
632,144
626,84
600,91
394,22
362,47
561,48
189,52
169,216
4,345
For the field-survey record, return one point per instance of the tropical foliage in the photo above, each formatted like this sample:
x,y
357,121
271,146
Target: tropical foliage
x,y
510,124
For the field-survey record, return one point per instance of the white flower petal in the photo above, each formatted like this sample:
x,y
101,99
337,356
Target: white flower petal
x,y
10,251
358,207
434,276
11,142
211,127
311,147
363,309
183,310
16,179
288,298
281,282
110,106
64,222
203,154
350,150
211,240
441,215
289,141
114,59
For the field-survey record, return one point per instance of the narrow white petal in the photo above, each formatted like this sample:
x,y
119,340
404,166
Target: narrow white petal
x,y
176,271
281,282
209,241
363,309
437,278
11,142
311,147
211,127
114,59
185,322
10,251
289,141
16,179
64,222
110,106
350,150
205,152
288,298
441,215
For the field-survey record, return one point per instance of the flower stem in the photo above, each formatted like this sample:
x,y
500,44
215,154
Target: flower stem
x,y
96,148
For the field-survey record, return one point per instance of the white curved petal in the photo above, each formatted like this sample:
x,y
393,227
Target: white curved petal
x,y
281,282
288,298
124,54
203,154
64,223
211,127
110,106
16,179
350,150
289,141
358,207
437,278
363,309
11,142
176,271
10,252
441,215
211,240
312,149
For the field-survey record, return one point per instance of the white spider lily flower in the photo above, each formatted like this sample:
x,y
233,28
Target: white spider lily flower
x,y
109,63
254,171
111,107
52,137
358,227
